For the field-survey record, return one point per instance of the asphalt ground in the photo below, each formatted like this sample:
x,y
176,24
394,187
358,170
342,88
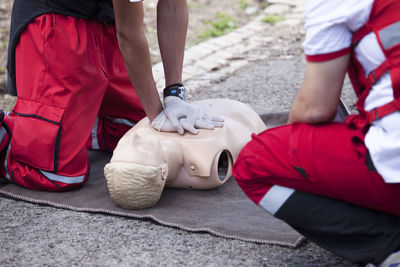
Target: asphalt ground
x,y
36,235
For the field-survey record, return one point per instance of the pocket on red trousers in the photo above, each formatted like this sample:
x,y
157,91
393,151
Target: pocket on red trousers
x,y
36,134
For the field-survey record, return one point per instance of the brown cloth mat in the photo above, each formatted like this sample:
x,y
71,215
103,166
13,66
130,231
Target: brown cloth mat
x,y
224,212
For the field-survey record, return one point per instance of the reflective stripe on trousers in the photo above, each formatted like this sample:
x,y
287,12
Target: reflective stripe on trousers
x,y
63,179
275,198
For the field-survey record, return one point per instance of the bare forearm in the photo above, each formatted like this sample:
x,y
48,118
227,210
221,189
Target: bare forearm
x,y
172,23
310,110
135,50
138,65
319,96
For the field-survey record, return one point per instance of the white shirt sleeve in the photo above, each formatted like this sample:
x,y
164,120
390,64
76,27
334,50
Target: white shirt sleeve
x,y
135,0
329,24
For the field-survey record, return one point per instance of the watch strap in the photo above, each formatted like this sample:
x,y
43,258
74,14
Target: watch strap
x,y
176,89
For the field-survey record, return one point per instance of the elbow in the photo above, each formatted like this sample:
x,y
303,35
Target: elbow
x,y
313,115
319,116
125,39
130,40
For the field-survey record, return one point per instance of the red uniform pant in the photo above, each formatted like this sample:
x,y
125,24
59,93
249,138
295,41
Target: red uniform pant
x,y
316,159
71,79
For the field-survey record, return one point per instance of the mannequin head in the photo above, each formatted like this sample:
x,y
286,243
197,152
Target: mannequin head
x,y
145,160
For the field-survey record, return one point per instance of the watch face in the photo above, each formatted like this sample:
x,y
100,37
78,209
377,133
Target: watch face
x,y
183,94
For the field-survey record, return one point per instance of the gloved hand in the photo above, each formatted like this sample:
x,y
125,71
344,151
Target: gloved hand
x,y
206,121
179,116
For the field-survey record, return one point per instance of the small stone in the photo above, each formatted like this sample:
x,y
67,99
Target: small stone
x,y
287,2
198,52
277,9
9,97
210,64
291,22
251,10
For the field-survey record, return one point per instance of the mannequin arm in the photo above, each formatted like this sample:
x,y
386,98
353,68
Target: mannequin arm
x,y
135,50
319,96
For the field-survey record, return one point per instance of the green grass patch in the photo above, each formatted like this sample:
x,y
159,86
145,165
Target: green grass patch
x,y
3,44
243,4
3,69
272,19
222,24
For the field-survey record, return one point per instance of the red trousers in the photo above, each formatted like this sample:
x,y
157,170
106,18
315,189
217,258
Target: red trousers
x,y
317,159
73,93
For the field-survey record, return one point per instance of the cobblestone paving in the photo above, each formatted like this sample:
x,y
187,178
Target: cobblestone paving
x,y
217,58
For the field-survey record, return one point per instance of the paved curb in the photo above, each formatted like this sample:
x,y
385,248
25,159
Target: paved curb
x,y
219,57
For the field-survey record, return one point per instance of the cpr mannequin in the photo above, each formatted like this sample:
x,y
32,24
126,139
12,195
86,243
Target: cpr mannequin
x,y
146,160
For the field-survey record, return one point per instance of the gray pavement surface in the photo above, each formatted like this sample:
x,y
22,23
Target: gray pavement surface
x,y
269,84
259,64
35,235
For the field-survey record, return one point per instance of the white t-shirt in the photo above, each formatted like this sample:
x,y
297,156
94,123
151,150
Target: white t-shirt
x,y
329,26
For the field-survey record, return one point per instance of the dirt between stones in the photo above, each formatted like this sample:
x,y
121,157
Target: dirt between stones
x,y
201,13
234,12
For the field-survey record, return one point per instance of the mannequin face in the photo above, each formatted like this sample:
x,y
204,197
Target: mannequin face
x,y
201,161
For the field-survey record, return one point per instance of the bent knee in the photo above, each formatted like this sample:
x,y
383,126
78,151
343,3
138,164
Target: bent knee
x,y
35,179
249,180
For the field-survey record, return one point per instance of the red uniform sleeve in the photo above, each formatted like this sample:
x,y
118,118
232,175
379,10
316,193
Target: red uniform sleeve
x,y
328,56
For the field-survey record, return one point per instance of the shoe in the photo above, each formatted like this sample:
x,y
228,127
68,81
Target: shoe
x,y
393,260
5,132
5,137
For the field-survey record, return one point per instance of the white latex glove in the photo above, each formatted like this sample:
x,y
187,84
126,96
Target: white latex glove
x,y
206,121
176,110
163,124
179,116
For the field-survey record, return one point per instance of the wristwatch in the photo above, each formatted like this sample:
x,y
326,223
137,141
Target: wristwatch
x,y
176,89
